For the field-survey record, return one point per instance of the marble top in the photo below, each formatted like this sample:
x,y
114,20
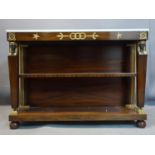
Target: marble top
x,y
78,30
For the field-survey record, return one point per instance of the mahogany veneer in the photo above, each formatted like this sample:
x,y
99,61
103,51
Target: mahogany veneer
x,y
81,75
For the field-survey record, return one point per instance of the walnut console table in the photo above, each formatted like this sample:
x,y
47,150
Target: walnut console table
x,y
77,75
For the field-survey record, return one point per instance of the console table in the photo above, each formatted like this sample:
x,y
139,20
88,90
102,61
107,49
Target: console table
x,y
77,75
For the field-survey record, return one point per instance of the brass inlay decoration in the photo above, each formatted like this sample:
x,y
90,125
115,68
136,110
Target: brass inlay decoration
x,y
143,35
119,35
36,36
13,49
78,36
141,47
135,108
11,36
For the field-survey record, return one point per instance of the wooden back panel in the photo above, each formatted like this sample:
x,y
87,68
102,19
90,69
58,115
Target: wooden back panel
x,y
78,92
64,57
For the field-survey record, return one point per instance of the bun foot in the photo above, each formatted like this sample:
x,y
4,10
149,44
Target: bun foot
x,y
14,125
141,124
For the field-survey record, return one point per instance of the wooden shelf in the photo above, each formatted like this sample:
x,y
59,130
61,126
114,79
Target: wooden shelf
x,y
66,75
104,113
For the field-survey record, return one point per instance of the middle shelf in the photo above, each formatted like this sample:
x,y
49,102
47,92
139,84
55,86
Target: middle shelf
x,y
54,75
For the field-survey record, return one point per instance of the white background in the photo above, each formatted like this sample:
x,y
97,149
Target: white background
x,y
77,145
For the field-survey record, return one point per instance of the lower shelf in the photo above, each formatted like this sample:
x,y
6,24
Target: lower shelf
x,y
77,114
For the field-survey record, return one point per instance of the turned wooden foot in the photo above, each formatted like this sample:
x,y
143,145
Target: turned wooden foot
x,y
14,125
141,124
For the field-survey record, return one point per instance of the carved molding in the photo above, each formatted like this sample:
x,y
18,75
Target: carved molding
x,y
13,49
78,36
142,48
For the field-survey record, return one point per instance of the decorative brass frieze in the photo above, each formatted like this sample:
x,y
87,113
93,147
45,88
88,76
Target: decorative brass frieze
x,y
142,48
13,49
135,108
143,35
36,36
11,36
78,36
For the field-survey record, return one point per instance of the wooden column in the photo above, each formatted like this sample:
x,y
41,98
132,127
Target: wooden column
x,y
141,72
13,73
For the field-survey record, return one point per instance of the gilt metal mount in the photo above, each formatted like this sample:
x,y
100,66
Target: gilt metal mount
x,y
143,35
13,49
14,112
142,48
135,108
11,36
